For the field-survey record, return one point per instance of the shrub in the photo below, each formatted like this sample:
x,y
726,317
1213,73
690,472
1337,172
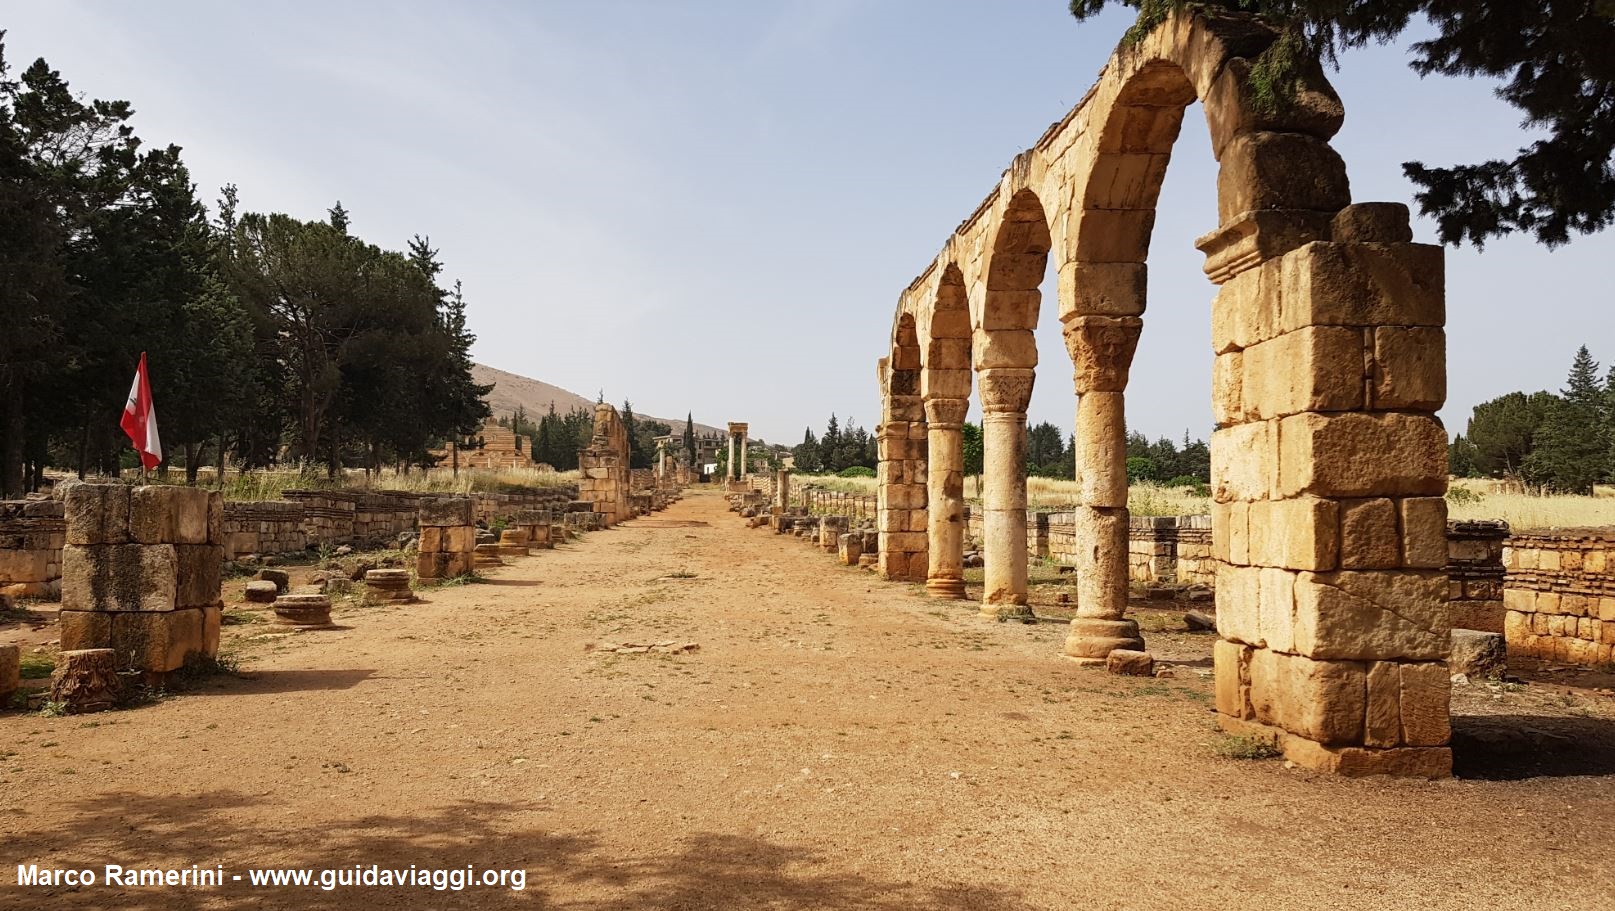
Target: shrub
x,y
857,471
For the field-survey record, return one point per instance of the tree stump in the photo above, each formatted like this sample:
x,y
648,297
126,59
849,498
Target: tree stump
x,y
85,680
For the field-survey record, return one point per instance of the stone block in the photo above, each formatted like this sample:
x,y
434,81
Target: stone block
x,y
1372,223
1245,311
1311,107
261,592
212,621
1323,701
96,513
200,574
1227,403
120,577
215,517
1238,597
1232,665
1368,285
1369,538
1424,532
1426,704
1478,654
1372,616
25,565
1382,724
1102,289
85,629
1245,461
1410,369
10,673
446,512
1315,368
165,514
1361,762
1301,533
1268,170
1130,663
1359,455
157,642
1276,608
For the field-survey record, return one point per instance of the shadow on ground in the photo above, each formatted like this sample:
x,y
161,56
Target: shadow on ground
x,y
1514,747
564,870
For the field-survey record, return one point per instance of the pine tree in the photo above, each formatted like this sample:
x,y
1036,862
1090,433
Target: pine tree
x,y
1572,447
691,454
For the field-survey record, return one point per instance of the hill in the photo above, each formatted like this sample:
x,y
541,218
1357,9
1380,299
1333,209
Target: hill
x,y
511,391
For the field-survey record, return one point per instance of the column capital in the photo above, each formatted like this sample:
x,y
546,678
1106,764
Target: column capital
x,y
1101,350
946,412
1006,389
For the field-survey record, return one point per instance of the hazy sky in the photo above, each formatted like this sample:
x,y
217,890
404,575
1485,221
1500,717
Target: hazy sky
x,y
712,206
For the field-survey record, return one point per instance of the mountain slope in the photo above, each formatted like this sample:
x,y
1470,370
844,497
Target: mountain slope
x,y
511,391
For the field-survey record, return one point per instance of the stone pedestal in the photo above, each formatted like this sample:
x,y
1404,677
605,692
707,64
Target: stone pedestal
x,y
303,611
142,572
448,538
388,585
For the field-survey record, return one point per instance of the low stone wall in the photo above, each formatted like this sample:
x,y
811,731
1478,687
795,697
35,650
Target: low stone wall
x,y
32,533
263,527
1195,564
1475,574
1559,594
327,516
494,507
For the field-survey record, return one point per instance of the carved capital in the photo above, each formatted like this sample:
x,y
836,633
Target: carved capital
x,y
1102,350
946,412
1006,390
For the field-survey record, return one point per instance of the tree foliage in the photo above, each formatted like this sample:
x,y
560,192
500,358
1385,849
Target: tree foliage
x,y
267,336
1553,61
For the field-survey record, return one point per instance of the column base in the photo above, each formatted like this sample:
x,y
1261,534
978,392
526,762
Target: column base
x,y
1009,613
947,589
1095,638
1350,761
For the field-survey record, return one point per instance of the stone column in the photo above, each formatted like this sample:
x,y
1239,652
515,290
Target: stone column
x,y
731,471
1101,350
1005,393
945,497
745,466
782,491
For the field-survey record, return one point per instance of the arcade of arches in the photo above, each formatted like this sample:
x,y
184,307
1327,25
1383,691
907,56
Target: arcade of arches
x,y
1328,463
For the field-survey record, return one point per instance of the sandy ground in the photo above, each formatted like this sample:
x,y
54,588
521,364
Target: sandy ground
x,y
835,742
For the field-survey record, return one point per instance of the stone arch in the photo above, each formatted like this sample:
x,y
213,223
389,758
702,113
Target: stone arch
x,y
1328,462
900,477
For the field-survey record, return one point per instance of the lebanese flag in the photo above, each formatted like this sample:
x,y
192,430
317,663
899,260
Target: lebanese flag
x,y
140,419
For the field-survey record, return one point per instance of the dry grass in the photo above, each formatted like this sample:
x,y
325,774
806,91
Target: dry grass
x,y
1486,499
1051,493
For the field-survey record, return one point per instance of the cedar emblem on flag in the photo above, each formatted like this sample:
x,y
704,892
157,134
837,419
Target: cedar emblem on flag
x,y
140,419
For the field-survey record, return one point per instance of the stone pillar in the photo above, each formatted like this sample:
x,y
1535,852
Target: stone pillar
x,y
731,470
782,491
900,504
448,538
945,495
1005,393
141,574
1328,468
1101,349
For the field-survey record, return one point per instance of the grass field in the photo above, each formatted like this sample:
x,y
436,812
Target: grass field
x,y
1471,499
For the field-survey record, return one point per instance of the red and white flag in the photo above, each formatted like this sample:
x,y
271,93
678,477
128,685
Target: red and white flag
x,y
140,419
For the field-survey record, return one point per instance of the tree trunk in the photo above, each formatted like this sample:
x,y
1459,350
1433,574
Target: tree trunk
x,y
191,464
11,434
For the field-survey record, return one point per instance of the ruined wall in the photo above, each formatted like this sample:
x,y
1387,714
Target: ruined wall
x,y
1196,566
448,541
604,479
32,533
141,573
263,527
1559,593
1475,574
327,516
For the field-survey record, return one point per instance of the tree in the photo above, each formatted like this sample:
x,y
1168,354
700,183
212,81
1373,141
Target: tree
x,y
806,453
691,454
973,451
1044,447
1572,444
1503,431
1463,458
1552,57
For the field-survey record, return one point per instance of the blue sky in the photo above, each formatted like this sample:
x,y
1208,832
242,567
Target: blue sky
x,y
712,206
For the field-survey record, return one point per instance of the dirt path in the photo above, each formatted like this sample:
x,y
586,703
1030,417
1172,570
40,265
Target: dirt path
x,y
835,742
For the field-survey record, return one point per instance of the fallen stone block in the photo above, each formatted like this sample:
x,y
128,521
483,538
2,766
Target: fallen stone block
x,y
262,591
1130,663
1478,654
